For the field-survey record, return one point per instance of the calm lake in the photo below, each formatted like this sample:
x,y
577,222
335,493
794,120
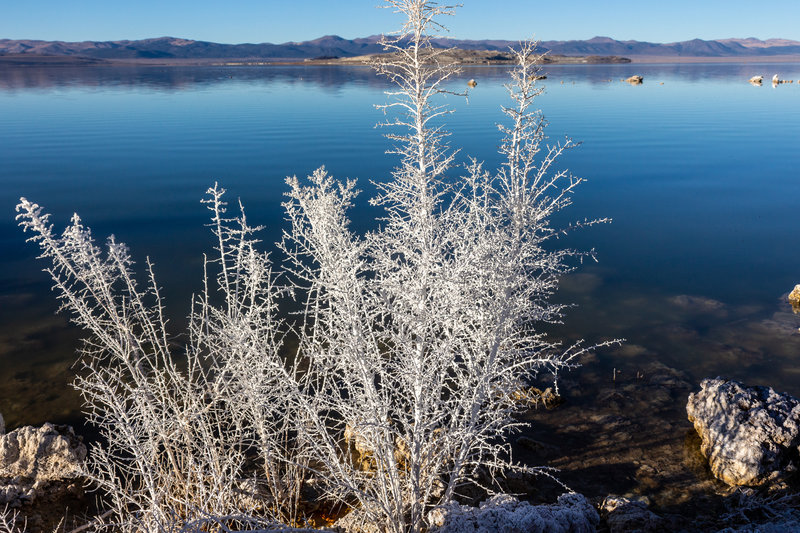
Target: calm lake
x,y
699,170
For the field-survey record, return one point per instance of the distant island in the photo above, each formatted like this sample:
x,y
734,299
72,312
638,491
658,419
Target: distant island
x,y
332,49
459,56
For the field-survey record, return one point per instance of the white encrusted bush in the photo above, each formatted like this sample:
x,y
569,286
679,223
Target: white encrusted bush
x,y
413,337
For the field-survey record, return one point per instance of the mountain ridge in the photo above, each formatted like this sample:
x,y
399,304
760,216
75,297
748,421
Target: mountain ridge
x,y
168,47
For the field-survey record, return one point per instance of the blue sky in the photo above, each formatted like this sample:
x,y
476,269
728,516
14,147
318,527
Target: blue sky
x,y
237,21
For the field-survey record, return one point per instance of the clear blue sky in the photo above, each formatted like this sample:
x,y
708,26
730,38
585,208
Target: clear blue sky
x,y
237,21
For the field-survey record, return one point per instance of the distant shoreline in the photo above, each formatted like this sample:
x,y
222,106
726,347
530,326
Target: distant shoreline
x,y
35,60
461,57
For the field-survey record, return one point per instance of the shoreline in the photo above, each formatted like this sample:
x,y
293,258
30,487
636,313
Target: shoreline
x,y
43,61
628,441
30,60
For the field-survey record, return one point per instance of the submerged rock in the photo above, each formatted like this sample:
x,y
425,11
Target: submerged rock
x,y
750,435
623,514
571,513
698,304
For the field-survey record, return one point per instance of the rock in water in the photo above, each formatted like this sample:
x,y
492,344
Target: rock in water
x,y
635,80
572,513
750,435
2,424
794,299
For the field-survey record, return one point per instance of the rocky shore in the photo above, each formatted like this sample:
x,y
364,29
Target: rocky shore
x,y
648,449
734,470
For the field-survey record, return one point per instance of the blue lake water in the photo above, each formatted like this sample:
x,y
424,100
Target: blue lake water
x,y
699,170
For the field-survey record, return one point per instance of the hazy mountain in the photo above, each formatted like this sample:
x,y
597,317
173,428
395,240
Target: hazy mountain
x,y
334,46
776,45
693,48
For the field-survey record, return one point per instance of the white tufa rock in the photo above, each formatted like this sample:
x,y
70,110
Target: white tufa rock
x,y
750,435
503,513
44,454
34,460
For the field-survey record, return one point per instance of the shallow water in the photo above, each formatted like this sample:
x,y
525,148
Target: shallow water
x,y
697,168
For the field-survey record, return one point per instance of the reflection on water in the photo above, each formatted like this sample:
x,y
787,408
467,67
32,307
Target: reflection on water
x,y
172,78
697,168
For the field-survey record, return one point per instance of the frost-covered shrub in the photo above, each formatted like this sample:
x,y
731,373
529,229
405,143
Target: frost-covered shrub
x,y
413,340
177,426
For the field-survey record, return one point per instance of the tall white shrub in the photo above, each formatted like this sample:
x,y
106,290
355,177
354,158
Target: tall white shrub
x,y
419,333
413,338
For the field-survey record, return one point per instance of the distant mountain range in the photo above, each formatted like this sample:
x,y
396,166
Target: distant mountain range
x,y
170,48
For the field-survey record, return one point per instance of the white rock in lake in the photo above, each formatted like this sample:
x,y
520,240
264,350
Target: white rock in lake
x,y
756,79
750,435
572,513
